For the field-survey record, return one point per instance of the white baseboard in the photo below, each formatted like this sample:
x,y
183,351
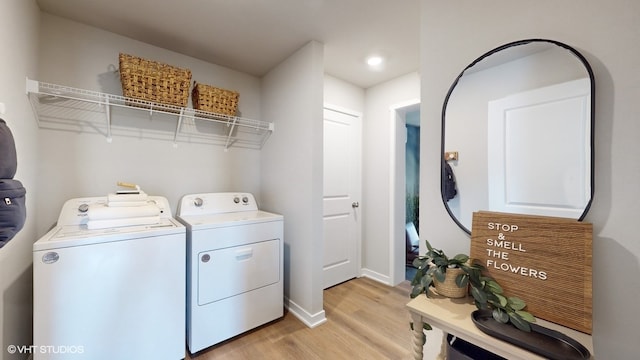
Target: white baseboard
x,y
311,320
376,276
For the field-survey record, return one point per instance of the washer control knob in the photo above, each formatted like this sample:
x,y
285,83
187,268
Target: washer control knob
x,y
245,200
236,200
198,202
83,208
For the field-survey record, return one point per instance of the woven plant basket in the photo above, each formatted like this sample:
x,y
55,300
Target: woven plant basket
x,y
215,100
154,81
449,288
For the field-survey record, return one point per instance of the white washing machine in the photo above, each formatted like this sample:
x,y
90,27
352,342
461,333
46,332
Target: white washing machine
x,y
112,292
234,266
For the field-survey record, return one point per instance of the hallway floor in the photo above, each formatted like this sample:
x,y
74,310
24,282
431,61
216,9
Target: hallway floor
x,y
365,320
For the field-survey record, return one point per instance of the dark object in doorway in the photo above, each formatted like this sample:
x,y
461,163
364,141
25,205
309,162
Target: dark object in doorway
x,y
412,243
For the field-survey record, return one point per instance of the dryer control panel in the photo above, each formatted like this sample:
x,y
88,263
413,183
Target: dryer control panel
x,y
216,203
75,211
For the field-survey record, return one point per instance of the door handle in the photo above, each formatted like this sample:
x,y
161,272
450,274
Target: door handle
x,y
355,204
244,254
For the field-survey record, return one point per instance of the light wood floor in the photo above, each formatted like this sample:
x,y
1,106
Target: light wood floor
x,y
365,320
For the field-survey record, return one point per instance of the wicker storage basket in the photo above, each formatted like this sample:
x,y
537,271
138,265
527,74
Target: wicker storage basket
x,y
449,288
154,81
215,100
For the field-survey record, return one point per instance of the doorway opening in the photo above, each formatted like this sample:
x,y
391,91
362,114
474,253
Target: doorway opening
x,y
412,191
403,204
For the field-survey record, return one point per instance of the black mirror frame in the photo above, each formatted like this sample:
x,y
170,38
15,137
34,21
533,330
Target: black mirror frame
x,y
455,82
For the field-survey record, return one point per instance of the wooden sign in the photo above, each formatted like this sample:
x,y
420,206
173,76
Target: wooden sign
x,y
545,261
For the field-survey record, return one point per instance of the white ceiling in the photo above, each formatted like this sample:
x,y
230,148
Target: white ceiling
x,y
252,36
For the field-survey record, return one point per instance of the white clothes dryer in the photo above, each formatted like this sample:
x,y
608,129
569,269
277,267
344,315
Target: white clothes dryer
x,y
234,266
112,292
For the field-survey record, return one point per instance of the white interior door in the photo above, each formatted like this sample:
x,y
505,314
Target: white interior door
x,y
341,216
528,148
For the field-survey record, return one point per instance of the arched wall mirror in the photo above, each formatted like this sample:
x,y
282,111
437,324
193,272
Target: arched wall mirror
x,y
517,133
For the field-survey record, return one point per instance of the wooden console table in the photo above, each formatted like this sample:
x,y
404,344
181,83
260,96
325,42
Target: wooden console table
x,y
453,316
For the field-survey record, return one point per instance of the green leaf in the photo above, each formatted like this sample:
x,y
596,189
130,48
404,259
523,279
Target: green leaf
x,y
440,261
474,278
492,298
482,284
502,300
428,245
477,264
479,296
519,322
440,274
526,316
417,290
462,280
499,315
493,286
480,305
417,277
426,280
516,303
461,258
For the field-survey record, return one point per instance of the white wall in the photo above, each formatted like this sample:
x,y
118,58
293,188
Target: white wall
x,y
84,164
377,129
342,94
292,173
19,39
454,34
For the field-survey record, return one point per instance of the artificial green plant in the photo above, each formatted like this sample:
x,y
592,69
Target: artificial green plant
x,y
486,292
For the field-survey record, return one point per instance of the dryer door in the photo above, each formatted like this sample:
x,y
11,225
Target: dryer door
x,y
231,271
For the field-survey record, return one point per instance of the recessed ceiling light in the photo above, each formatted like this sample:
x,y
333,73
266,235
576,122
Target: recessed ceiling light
x,y
374,61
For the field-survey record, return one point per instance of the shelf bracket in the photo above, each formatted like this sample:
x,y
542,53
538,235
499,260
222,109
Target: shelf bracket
x,y
233,126
107,112
32,89
178,126
266,137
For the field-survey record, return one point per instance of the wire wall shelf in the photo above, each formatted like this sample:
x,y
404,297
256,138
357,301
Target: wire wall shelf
x,y
70,109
